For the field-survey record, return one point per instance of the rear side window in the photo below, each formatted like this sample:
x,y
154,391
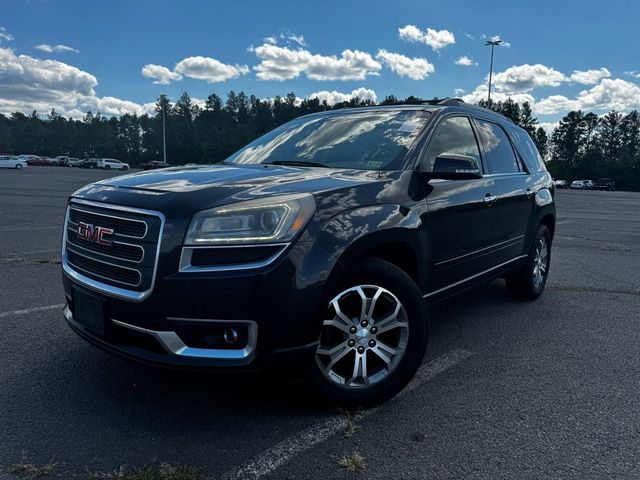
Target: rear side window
x,y
453,135
529,151
500,155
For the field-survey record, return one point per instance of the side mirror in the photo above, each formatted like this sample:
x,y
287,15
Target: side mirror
x,y
452,166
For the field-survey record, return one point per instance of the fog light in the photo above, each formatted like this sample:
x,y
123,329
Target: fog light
x,y
230,335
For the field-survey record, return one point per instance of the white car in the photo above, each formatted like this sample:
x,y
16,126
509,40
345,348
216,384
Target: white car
x,y
74,162
112,164
12,162
28,157
578,185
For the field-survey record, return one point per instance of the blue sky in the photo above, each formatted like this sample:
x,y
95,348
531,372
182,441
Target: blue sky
x,y
561,54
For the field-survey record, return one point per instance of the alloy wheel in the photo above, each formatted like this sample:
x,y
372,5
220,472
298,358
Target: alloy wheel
x,y
540,263
363,338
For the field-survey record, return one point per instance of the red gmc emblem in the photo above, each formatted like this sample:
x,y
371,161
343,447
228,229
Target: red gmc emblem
x,y
92,233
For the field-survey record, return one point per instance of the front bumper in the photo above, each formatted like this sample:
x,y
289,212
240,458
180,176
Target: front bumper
x,y
275,308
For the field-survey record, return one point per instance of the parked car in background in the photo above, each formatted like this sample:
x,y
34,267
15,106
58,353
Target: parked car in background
x,y
8,161
604,184
153,164
588,184
74,162
112,164
577,185
90,163
61,161
28,157
561,184
40,162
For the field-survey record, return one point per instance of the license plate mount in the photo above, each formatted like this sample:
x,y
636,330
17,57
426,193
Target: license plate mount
x,y
89,311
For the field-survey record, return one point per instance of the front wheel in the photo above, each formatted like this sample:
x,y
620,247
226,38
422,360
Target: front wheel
x,y
18,166
373,336
528,282
125,168
107,167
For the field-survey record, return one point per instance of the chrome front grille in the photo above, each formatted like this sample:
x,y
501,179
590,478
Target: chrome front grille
x,y
122,260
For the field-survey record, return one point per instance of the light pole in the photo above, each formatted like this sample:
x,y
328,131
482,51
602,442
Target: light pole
x,y
164,135
493,44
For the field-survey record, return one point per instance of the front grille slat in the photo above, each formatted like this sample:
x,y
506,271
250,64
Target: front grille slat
x,y
120,226
119,250
104,270
122,263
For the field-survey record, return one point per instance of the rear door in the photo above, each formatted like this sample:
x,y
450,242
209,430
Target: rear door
x,y
461,217
514,187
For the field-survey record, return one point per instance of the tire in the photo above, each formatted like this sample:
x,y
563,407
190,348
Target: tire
x,y
18,166
107,167
125,168
402,313
528,282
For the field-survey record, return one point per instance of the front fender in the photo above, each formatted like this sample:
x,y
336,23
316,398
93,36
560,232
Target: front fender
x,y
352,233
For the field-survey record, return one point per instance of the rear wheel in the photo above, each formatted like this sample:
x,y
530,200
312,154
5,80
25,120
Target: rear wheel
x,y
125,168
107,167
18,166
528,282
373,337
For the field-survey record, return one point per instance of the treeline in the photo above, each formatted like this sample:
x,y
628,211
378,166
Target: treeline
x,y
586,146
582,146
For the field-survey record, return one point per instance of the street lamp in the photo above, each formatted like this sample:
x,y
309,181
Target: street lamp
x,y
493,43
164,136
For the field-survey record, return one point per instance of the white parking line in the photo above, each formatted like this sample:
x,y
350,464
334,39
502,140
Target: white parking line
x,y
280,454
30,310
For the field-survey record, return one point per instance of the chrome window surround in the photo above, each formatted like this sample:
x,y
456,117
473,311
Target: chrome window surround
x,y
187,253
100,287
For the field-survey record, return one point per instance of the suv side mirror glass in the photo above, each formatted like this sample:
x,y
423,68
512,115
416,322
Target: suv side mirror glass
x,y
453,166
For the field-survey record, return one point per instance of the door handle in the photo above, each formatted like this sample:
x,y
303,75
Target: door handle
x,y
529,193
489,199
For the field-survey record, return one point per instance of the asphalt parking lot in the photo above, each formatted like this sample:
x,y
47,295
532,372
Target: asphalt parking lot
x,y
548,389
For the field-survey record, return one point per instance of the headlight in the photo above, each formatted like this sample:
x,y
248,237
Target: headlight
x,y
271,219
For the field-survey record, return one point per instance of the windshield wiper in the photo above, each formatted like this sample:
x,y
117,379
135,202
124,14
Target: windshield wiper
x,y
298,163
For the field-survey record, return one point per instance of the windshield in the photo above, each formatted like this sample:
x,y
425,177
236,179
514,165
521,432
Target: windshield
x,y
374,140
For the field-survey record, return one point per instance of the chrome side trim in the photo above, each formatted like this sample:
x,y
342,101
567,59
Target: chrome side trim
x,y
174,345
497,246
468,279
187,253
104,288
146,225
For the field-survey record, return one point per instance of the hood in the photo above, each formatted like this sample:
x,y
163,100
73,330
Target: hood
x,y
212,185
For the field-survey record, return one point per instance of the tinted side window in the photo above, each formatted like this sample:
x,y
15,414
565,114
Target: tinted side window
x,y
500,155
529,151
453,135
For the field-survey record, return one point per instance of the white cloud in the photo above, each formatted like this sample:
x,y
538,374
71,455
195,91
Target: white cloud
x,y
299,39
633,73
334,97
466,61
28,83
161,75
209,69
55,48
436,39
284,63
481,92
271,40
4,35
458,92
524,78
414,68
590,77
496,38
548,127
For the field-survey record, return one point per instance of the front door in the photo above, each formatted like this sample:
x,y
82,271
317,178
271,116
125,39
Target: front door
x,y
461,218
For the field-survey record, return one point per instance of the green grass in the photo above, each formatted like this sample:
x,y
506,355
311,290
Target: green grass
x,y
164,471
